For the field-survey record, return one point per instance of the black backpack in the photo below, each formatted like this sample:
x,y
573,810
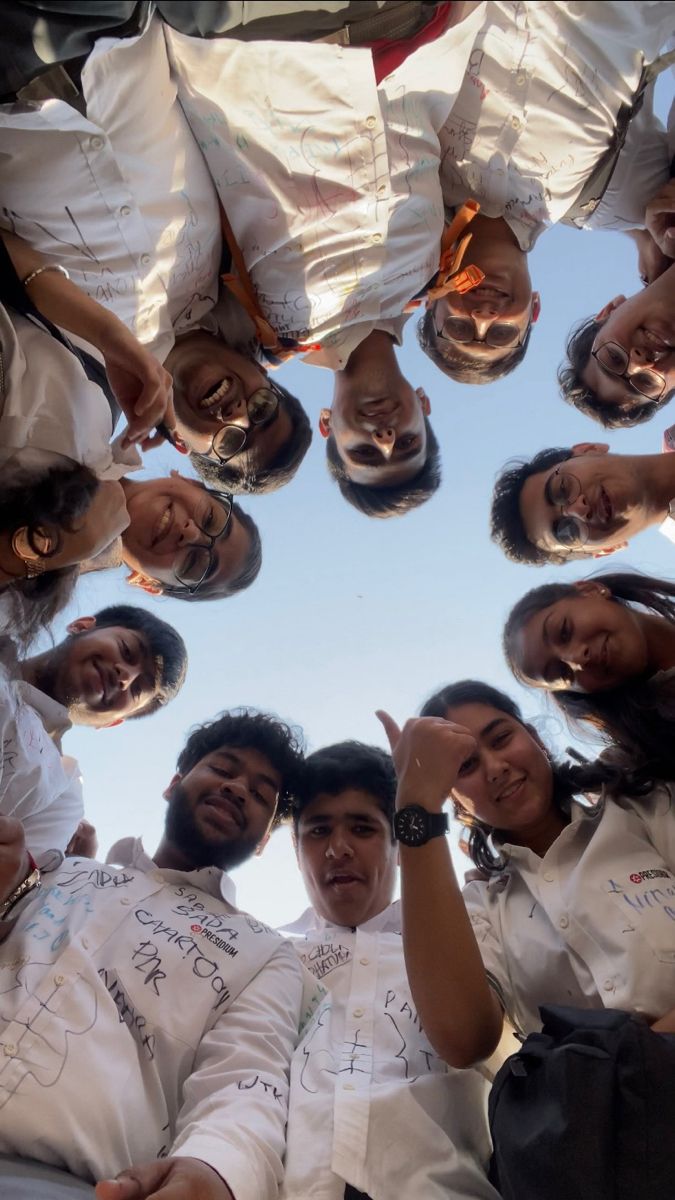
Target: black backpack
x,y
586,1111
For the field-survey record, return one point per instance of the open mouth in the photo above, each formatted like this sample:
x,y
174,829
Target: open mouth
x,y
342,879
604,509
657,341
216,396
163,526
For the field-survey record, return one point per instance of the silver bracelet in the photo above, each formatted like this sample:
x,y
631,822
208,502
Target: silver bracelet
x,y
47,267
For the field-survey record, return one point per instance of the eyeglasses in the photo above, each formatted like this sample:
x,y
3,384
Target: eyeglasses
x,y
500,335
614,359
193,562
231,439
563,489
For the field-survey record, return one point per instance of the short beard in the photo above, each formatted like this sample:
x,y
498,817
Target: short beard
x,y
182,831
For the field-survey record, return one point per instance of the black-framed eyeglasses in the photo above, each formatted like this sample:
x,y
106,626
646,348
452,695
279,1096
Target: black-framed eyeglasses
x,y
563,489
613,359
501,335
193,562
261,407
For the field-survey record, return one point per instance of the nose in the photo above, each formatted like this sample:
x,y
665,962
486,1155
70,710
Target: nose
x,y
483,313
237,413
191,534
385,440
577,655
338,845
237,788
126,673
579,507
494,766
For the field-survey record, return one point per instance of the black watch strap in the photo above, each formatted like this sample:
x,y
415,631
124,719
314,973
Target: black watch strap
x,y
415,826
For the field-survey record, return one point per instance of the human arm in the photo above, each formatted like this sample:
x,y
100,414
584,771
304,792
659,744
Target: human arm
x,y
166,1179
652,262
235,1100
660,219
142,387
458,1009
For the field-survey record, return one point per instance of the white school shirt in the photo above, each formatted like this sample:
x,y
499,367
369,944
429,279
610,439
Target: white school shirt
x,y
143,1015
121,197
592,923
538,106
371,1103
49,409
329,180
38,785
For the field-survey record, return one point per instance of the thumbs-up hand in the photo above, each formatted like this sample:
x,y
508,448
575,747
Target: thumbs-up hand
x,y
428,754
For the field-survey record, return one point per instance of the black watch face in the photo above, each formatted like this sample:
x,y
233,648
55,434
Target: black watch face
x,y
413,826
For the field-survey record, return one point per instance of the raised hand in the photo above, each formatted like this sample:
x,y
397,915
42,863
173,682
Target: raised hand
x,y
143,388
14,861
428,753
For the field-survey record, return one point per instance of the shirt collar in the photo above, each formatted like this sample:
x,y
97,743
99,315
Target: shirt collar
x,y
54,716
387,921
130,852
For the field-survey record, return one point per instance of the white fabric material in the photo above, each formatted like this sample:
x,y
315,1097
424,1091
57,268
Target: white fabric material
x,y
667,526
121,198
371,1103
142,1015
330,181
590,924
38,786
538,106
49,407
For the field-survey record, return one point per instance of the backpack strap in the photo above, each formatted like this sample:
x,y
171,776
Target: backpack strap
x,y
598,181
13,294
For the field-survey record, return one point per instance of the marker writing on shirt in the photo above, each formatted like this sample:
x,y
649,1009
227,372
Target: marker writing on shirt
x,y
267,1087
135,1021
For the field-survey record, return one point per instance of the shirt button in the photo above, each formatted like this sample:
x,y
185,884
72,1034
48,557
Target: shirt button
x,y
96,143
608,985
145,259
85,944
9,1049
125,210
516,122
358,1012
125,900
563,922
382,189
549,876
376,238
59,980
364,961
371,122
346,1087
521,78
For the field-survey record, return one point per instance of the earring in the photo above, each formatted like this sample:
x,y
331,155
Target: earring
x,y
32,559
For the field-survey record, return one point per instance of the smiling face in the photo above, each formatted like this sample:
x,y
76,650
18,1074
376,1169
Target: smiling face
x,y
221,811
507,782
606,496
643,327
586,642
381,439
100,675
347,857
211,385
170,516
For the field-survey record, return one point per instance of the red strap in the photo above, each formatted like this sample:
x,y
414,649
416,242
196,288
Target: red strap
x,y
388,55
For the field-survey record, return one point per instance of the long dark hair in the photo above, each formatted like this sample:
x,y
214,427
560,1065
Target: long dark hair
x,y
53,502
638,716
569,779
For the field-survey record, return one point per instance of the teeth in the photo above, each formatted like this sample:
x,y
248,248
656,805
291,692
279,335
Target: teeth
x,y
216,394
164,522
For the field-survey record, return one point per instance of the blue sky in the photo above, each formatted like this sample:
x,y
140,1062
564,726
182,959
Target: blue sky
x,y
351,614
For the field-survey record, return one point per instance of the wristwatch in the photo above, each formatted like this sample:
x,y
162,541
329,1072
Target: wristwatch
x,y
414,825
30,884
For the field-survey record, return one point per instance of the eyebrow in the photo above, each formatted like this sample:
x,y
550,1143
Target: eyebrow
x,y
327,817
491,726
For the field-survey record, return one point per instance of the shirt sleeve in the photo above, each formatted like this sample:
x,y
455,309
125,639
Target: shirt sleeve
x,y
489,943
236,1099
641,170
37,786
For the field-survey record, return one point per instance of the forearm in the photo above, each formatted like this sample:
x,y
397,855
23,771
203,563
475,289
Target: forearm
x,y
459,1011
59,300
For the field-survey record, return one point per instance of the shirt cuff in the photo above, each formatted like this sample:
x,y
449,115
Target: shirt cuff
x,y
247,1177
